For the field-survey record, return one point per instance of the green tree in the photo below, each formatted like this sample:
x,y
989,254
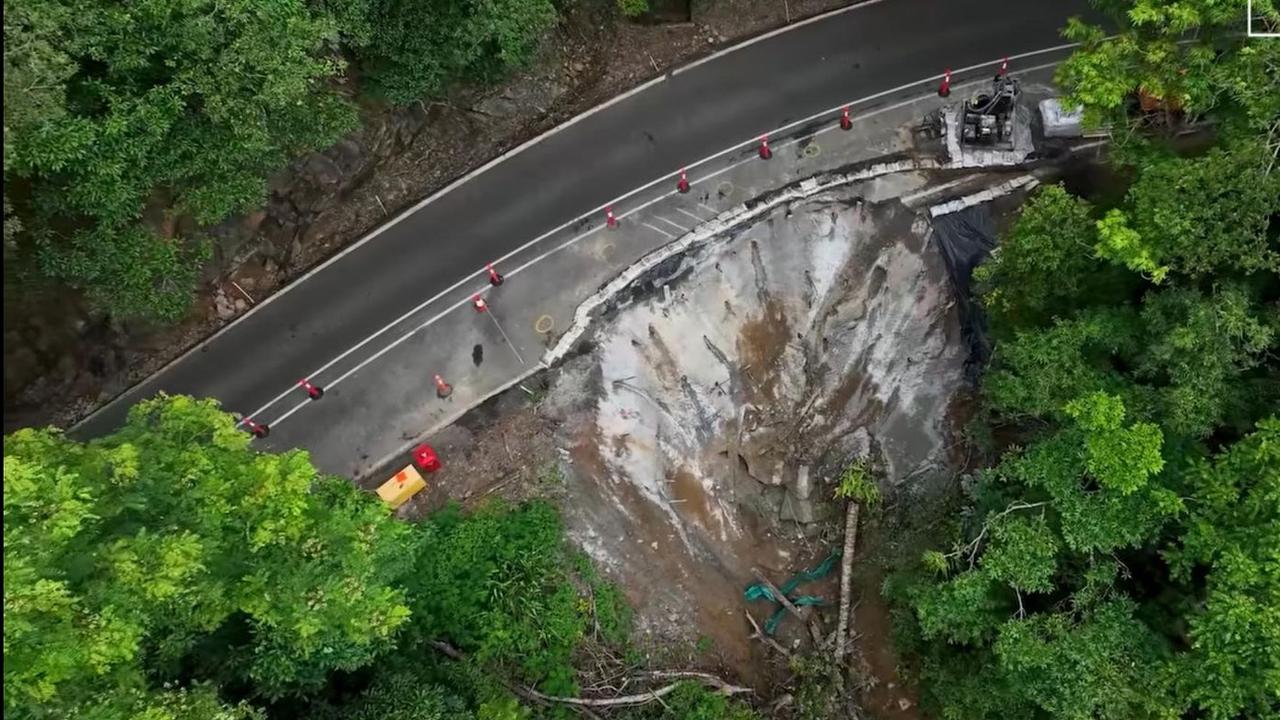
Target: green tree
x,y
1120,560
1044,263
1227,561
498,584
1034,601
1203,216
1192,54
414,49
170,550
173,110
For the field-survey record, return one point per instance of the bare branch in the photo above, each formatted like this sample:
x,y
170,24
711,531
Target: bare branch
x,y
791,608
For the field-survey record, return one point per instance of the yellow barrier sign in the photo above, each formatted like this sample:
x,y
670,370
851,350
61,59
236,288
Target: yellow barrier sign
x,y
402,486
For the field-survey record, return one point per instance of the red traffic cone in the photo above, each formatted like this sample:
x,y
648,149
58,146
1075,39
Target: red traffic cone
x,y
495,278
683,184
478,303
424,456
1004,67
443,389
259,430
315,392
765,152
846,122
610,221
945,88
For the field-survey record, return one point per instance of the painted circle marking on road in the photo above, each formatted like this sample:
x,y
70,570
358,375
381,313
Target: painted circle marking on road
x,y
544,324
725,188
812,150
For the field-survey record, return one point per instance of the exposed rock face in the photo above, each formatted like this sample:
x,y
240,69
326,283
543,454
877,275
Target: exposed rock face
x,y
718,420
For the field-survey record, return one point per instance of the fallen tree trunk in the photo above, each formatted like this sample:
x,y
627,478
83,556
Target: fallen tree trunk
x,y
648,696
584,704
846,577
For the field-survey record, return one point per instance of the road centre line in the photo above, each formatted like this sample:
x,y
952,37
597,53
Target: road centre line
x,y
574,240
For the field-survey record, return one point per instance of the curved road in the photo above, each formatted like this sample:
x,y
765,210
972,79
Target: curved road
x,y
692,113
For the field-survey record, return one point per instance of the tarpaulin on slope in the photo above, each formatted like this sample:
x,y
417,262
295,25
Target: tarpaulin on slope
x,y
966,237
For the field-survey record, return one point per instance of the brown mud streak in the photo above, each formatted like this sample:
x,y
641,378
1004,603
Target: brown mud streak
x,y
761,343
692,499
889,698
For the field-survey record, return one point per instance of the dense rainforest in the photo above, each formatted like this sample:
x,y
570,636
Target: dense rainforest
x,y
1118,558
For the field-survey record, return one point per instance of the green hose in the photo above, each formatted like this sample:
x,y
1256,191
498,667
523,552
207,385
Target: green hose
x,y
760,591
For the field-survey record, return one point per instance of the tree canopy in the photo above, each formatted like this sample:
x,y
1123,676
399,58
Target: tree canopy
x,y
170,571
1120,558
124,119
131,127
171,546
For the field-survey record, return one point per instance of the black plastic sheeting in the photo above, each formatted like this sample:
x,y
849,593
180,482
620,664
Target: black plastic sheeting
x,y
966,238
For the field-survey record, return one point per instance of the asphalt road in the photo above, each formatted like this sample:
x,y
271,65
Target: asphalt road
x,y
692,114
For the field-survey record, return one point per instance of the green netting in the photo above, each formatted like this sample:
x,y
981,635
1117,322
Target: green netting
x,y
760,591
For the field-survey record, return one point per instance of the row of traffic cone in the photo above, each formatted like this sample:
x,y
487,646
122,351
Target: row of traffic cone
x,y
765,152
444,390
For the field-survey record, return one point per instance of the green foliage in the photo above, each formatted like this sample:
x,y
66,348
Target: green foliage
x,y
1201,356
1043,262
1023,554
858,484
131,270
126,108
1033,599
417,48
130,126
497,584
168,570
633,8
1100,663
1122,562
1229,557
1120,459
140,553
1042,369
1200,216
1190,53
402,694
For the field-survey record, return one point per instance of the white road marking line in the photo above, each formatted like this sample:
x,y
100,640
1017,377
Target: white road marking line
x,y
409,211
678,226
698,218
622,215
709,209
658,230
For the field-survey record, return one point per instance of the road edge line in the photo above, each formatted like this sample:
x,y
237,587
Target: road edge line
x,y
453,185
